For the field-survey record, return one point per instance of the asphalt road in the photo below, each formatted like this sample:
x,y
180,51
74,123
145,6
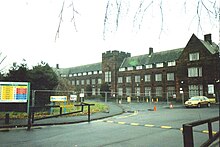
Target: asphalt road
x,y
138,127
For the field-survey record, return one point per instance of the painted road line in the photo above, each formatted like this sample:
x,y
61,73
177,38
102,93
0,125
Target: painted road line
x,y
207,132
121,122
133,114
110,121
148,125
165,127
134,124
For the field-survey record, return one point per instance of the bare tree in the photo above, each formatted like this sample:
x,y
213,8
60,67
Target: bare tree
x,y
117,10
1,61
74,11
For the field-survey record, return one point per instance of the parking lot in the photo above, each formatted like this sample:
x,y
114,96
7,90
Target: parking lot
x,y
140,125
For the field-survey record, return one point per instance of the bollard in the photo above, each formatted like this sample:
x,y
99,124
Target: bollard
x,y
7,118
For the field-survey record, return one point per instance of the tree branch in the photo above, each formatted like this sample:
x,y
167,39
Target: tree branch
x,y
61,19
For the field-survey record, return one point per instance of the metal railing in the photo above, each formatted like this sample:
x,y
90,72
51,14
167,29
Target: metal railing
x,y
188,132
34,109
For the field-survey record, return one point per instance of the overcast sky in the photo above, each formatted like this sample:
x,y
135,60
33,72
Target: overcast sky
x,y
28,29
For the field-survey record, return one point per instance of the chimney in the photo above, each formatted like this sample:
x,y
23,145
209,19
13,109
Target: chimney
x,y
150,50
208,38
57,66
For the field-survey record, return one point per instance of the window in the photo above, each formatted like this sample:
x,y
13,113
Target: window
x,y
73,82
195,72
63,76
171,91
128,91
93,91
75,74
120,91
120,80
70,75
170,76
148,66
88,81
147,91
210,89
171,63
195,90
82,82
159,65
95,72
128,79
93,81
158,91
100,72
108,76
138,67
98,91
85,73
99,81
122,69
77,82
193,56
130,68
137,78
147,78
90,73
158,77
79,74
137,91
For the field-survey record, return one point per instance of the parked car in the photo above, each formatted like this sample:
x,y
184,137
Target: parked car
x,y
198,101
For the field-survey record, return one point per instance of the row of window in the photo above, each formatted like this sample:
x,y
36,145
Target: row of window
x,y
147,78
87,82
85,73
148,66
193,90
147,91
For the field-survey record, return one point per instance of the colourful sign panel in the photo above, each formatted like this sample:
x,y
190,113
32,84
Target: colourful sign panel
x,y
14,92
58,98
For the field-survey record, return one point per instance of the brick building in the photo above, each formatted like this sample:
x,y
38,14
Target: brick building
x,y
174,74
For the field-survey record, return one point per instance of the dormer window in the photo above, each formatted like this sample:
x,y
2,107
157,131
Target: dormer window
x,y
95,72
89,73
171,63
148,66
122,69
193,56
138,67
85,73
159,65
130,68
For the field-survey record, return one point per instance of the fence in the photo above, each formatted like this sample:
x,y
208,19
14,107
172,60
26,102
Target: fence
x,y
188,132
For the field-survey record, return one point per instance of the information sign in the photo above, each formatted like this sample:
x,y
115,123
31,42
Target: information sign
x,y
58,98
17,92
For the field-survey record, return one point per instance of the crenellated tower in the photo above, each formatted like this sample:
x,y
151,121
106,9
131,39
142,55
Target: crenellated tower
x,y
111,61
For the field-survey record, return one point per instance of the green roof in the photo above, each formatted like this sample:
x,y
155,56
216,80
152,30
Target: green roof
x,y
158,57
212,48
81,69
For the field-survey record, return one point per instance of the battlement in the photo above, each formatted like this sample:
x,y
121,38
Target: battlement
x,y
113,53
